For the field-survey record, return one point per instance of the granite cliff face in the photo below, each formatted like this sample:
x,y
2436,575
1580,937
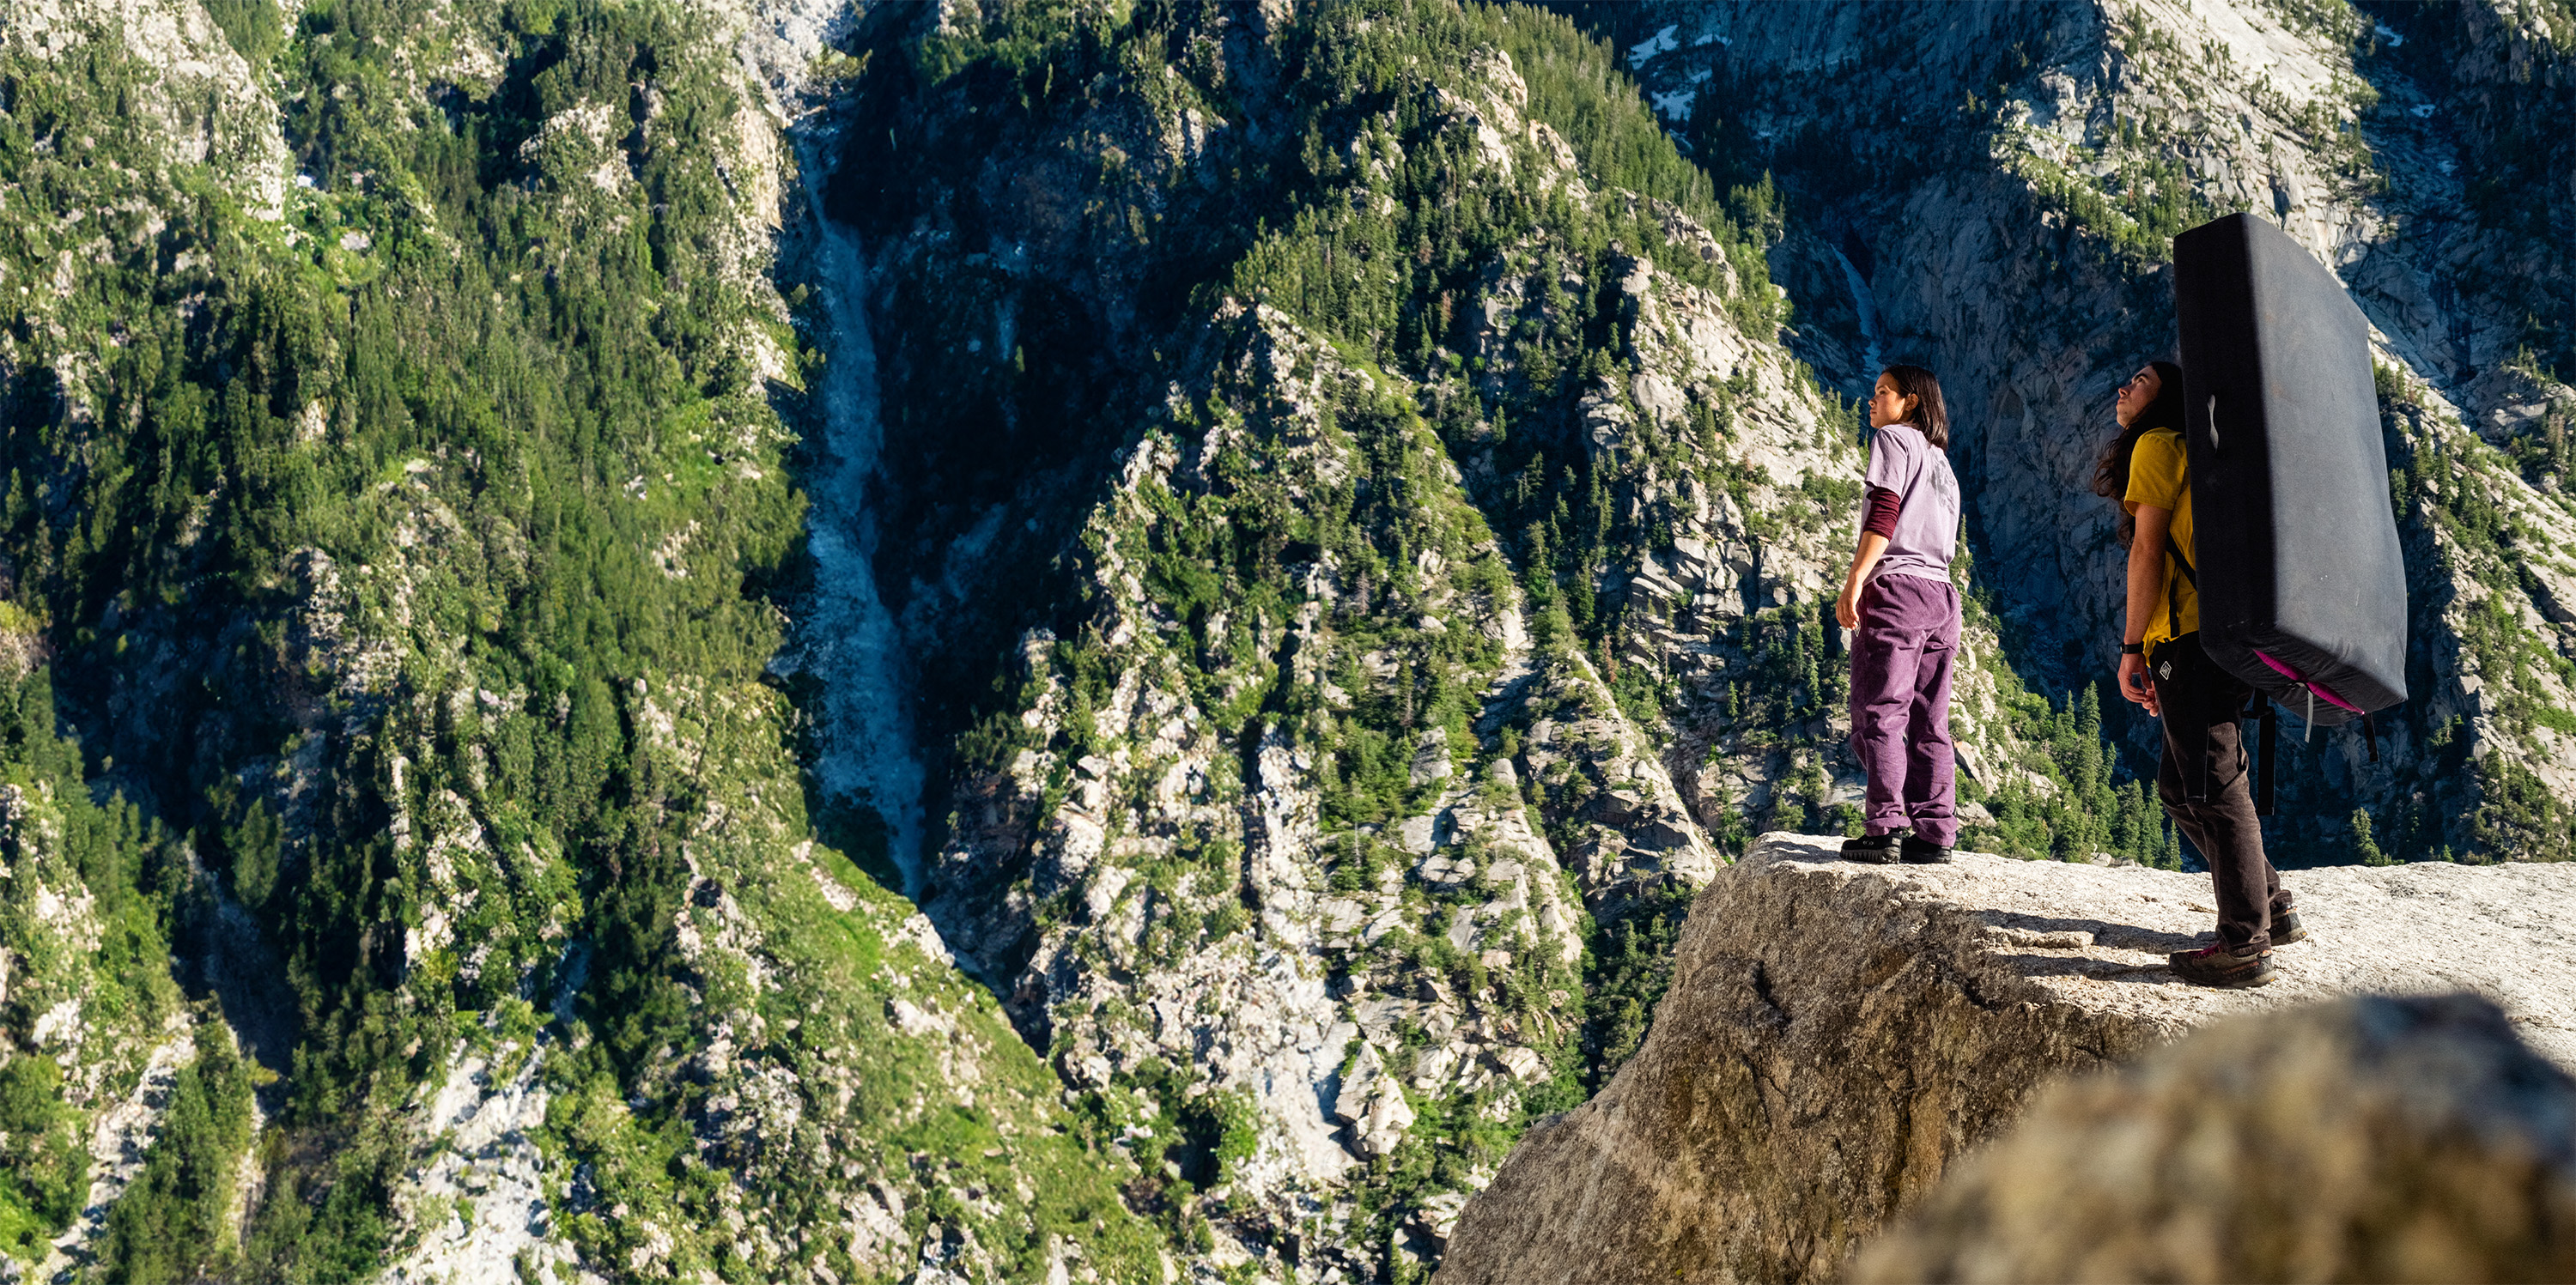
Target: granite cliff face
x,y
1837,1035
1269,790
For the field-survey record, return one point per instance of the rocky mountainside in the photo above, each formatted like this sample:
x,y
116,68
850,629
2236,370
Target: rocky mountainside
x,y
408,863
1838,1034
1079,640
2002,212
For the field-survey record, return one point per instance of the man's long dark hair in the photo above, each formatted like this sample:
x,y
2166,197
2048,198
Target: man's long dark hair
x,y
2111,476
1930,416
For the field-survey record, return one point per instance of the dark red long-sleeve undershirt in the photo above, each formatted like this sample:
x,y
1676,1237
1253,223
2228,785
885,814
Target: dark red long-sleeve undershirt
x,y
1883,505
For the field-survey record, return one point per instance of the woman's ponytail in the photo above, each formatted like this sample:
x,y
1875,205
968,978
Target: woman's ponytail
x,y
2111,475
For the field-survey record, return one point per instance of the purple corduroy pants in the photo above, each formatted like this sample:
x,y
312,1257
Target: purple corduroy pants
x,y
1900,704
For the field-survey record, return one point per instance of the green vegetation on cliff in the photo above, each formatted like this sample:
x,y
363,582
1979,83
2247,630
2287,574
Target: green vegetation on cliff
x,y
404,560
89,896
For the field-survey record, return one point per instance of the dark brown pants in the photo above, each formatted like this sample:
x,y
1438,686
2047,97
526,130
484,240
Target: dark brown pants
x,y
2202,782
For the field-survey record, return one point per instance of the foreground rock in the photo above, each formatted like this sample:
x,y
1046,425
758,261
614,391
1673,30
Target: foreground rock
x,y
2368,1139
1835,1034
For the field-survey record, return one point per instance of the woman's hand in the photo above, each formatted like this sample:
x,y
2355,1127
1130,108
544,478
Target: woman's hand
x,y
1864,561
2134,684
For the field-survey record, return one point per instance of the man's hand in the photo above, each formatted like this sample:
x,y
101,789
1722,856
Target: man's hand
x,y
2134,684
1847,607
2146,584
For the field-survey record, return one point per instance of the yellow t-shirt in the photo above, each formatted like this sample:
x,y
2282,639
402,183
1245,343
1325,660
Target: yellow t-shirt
x,y
2158,475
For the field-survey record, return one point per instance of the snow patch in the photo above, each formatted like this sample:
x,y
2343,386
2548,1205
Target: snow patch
x,y
1663,42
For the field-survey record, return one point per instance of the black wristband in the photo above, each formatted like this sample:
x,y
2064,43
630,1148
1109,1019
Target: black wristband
x,y
2133,649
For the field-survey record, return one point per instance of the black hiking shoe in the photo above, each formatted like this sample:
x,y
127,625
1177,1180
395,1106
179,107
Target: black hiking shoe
x,y
1918,851
1871,849
2286,928
2221,967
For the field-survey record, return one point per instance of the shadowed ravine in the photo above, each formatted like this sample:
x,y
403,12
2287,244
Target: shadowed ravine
x,y
854,645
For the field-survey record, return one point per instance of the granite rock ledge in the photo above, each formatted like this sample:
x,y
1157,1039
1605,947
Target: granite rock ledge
x,y
1836,1034
2370,1138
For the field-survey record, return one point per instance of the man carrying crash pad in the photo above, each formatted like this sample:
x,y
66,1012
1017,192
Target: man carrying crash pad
x,y
2201,775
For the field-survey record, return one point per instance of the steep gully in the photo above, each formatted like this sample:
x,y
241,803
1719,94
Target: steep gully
x,y
854,644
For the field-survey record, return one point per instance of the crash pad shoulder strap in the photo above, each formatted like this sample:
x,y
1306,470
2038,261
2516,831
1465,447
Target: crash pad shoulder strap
x,y
2173,592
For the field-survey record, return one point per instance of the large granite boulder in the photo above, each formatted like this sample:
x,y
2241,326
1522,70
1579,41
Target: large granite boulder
x,y
1836,1034
2376,1138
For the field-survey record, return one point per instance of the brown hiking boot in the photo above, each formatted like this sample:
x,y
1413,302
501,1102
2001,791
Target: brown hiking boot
x,y
2221,967
1871,849
2286,928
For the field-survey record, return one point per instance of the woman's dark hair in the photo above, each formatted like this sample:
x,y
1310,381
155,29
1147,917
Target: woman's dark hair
x,y
1930,416
2111,476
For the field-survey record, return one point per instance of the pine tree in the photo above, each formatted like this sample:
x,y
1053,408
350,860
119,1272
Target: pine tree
x,y
2134,837
2363,844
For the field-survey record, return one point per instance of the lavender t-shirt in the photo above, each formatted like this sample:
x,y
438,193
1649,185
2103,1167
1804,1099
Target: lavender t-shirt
x,y
1902,460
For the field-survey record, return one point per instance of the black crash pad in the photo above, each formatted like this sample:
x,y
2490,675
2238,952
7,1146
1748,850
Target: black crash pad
x,y
2298,554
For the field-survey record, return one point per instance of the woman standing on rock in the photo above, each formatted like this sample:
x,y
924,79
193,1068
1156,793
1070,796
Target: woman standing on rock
x,y
1899,598
2200,778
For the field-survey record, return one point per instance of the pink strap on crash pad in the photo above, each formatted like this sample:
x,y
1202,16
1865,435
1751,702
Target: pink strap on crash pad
x,y
2323,693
